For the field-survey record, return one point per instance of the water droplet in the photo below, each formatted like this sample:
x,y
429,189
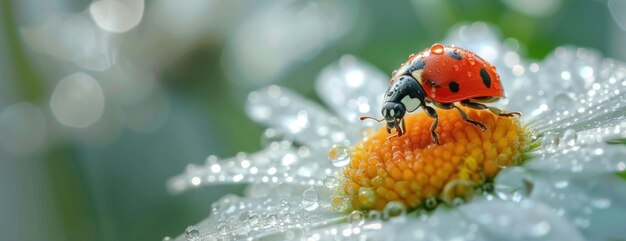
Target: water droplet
x,y
192,233
457,192
167,238
471,61
601,203
271,219
393,209
339,155
550,142
540,229
456,67
330,182
367,196
340,203
430,203
469,74
374,214
270,136
513,184
356,218
309,199
223,229
561,184
411,56
436,49
563,100
570,137
487,188
284,206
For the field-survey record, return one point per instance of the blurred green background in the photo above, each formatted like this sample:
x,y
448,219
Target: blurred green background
x,y
101,102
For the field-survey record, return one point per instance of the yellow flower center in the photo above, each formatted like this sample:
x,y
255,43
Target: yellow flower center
x,y
411,169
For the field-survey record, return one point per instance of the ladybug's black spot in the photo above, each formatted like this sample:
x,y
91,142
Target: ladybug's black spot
x,y
486,78
454,55
454,86
417,66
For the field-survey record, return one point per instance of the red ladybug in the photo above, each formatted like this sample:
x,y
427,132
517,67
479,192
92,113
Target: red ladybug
x,y
441,75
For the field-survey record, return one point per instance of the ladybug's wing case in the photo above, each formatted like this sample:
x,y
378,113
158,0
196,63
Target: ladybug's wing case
x,y
454,75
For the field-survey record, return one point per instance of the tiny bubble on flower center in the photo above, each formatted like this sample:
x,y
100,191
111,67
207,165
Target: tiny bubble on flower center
x,y
411,169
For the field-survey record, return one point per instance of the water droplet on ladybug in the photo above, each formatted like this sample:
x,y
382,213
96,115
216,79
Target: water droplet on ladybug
x,y
411,56
456,67
394,72
471,61
493,67
436,49
469,74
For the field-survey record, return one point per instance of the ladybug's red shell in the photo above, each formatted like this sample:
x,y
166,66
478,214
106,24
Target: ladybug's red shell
x,y
450,74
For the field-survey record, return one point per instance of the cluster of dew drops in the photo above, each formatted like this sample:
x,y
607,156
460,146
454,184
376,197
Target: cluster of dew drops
x,y
279,214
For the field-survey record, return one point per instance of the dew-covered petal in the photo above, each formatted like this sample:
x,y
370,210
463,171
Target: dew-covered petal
x,y
595,205
442,224
279,163
579,90
269,218
352,88
580,160
525,220
301,120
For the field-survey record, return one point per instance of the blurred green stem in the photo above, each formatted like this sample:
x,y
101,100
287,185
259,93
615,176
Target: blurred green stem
x,y
28,84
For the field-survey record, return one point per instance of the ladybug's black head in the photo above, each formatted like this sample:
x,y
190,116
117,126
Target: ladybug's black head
x,y
393,112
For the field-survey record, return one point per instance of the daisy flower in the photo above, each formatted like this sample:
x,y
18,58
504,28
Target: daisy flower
x,y
325,175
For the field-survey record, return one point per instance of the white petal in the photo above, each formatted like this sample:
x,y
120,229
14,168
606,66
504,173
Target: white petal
x,y
580,91
352,88
300,119
526,220
439,225
272,166
596,205
262,218
581,160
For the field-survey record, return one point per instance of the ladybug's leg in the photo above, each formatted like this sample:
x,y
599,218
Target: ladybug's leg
x,y
430,111
494,110
462,113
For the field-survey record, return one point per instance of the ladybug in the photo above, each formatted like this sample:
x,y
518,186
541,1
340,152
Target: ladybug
x,y
442,76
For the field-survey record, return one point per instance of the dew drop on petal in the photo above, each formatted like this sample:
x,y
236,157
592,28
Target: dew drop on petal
x,y
356,218
569,137
513,185
601,203
393,209
340,203
430,203
457,192
309,199
330,182
563,100
561,184
374,214
284,206
223,229
339,155
192,233
436,49
550,142
540,229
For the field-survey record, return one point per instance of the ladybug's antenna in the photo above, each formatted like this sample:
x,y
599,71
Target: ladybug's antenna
x,y
369,117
